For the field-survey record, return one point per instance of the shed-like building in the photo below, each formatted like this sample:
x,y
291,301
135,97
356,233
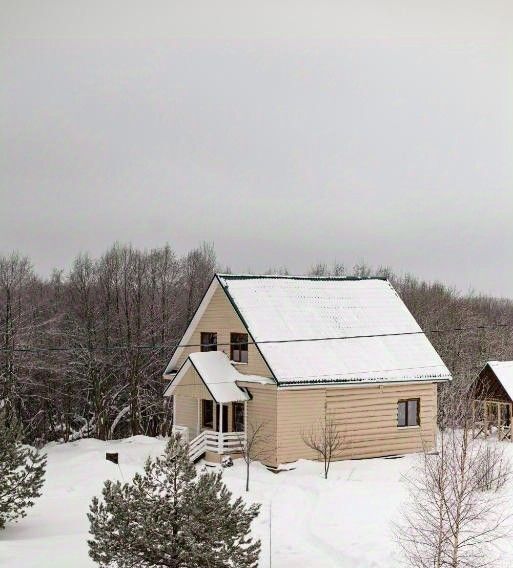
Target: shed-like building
x,y
287,352
493,400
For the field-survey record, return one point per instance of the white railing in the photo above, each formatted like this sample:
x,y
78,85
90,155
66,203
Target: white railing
x,y
197,447
221,443
232,441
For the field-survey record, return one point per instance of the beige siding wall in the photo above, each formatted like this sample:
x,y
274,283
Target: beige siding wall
x,y
192,386
187,413
262,409
297,410
220,317
366,416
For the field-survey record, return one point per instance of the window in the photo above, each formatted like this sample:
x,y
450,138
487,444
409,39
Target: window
x,y
408,412
238,417
208,341
207,413
239,347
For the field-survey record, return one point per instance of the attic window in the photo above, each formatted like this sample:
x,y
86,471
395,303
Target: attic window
x,y
208,341
239,347
408,412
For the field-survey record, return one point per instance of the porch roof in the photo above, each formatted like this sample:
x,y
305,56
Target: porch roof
x,y
219,376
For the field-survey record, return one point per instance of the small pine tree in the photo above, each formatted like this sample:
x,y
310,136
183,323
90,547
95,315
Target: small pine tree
x,y
171,517
22,471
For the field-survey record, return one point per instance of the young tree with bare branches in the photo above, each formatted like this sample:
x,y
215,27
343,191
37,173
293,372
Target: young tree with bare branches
x,y
456,506
326,439
254,444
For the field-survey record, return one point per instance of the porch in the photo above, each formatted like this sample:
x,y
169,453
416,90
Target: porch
x,y
220,429
210,404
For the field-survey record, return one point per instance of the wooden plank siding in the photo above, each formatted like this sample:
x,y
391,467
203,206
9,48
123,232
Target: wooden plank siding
x,y
297,411
187,413
365,415
192,386
221,318
262,409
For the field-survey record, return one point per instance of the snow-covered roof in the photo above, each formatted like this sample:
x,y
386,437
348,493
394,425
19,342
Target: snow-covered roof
x,y
309,330
219,376
504,372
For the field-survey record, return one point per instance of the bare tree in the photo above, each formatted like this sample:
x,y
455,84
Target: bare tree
x,y
323,270
326,439
456,506
254,444
16,327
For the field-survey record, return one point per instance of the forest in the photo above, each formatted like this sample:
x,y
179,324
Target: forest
x,y
82,351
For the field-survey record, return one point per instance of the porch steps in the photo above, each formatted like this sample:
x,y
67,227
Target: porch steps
x,y
197,447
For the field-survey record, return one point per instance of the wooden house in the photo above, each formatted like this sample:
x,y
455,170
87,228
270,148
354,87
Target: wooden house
x,y
286,352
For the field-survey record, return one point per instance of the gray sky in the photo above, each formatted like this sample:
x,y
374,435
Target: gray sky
x,y
284,132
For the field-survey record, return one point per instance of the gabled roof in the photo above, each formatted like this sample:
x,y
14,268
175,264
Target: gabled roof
x,y
503,370
219,376
309,330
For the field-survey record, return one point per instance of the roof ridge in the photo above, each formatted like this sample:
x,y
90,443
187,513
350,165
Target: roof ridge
x,y
296,277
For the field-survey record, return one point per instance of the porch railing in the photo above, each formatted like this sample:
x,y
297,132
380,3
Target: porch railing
x,y
216,442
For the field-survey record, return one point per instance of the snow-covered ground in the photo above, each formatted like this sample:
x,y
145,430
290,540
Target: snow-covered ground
x,y
342,522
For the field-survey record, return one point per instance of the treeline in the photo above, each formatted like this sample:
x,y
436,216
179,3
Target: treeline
x,y
82,353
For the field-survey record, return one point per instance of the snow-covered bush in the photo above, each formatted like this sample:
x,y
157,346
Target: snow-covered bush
x,y
171,516
22,471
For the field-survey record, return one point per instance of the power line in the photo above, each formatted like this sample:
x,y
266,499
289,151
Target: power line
x,y
250,342
290,381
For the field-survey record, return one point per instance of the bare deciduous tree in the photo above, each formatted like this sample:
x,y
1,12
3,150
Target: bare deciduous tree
x,y
456,506
326,439
254,444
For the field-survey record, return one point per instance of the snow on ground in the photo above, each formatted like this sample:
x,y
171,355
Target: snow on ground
x,y
344,521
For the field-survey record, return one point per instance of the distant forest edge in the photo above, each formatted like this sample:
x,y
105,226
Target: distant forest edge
x,y
72,363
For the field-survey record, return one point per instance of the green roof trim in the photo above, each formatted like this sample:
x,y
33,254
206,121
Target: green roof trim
x,y
286,277
435,378
237,311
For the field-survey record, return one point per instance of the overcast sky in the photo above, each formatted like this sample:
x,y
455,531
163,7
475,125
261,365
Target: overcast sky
x,y
283,132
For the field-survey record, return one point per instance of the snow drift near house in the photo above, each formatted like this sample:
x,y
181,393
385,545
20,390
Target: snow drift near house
x,y
341,522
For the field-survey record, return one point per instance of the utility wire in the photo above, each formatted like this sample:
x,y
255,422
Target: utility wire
x,y
290,380
250,342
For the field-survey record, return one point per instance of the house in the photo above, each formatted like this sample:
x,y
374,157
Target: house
x,y
286,352
493,400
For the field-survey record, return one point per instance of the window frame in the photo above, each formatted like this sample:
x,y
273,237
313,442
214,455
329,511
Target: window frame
x,y
206,343
406,402
206,403
241,405
236,346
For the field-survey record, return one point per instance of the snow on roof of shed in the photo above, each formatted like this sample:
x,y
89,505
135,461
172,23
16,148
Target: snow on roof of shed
x,y
296,322
219,376
504,372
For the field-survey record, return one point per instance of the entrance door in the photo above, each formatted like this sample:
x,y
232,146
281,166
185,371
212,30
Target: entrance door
x,y
225,417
